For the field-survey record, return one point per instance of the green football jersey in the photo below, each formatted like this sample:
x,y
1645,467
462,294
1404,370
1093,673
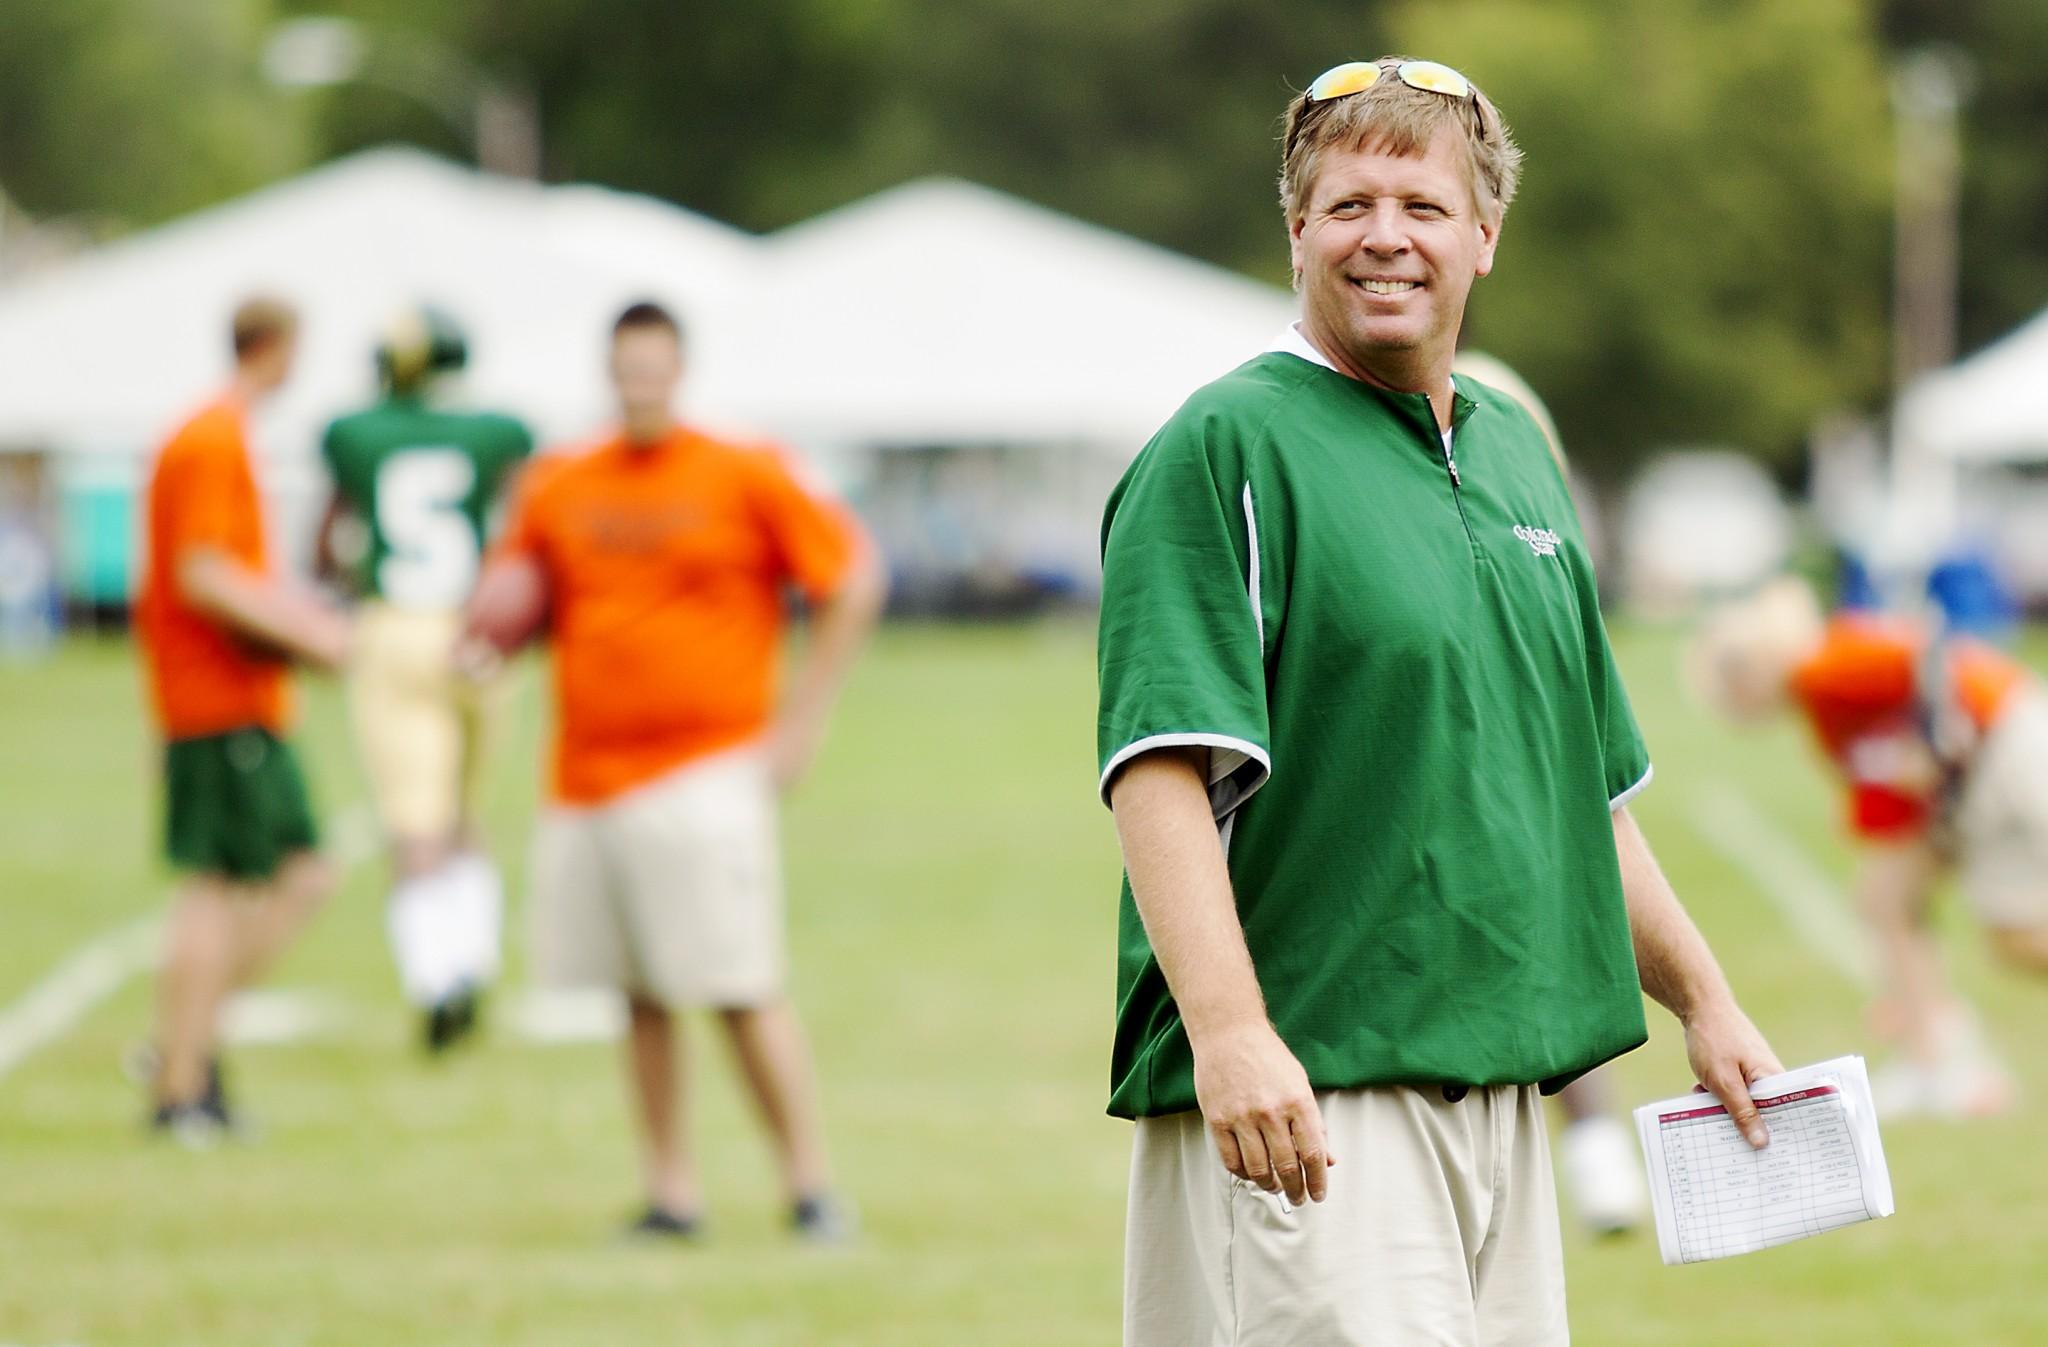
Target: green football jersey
x,y
1395,655
424,481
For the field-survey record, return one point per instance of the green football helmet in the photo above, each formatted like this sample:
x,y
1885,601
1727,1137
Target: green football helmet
x,y
418,344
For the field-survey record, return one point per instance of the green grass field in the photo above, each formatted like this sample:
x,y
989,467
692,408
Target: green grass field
x,y
952,894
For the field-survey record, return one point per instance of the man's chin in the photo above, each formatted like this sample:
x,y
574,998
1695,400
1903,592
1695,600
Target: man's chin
x,y
1383,336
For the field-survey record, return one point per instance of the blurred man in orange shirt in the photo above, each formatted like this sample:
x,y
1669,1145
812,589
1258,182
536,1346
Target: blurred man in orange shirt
x,y
1942,744
216,624
665,557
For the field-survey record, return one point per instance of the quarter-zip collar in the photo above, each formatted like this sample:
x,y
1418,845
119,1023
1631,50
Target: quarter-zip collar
x,y
1413,409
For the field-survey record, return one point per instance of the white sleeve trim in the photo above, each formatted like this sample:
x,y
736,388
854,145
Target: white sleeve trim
x,y
1649,770
1251,533
1225,795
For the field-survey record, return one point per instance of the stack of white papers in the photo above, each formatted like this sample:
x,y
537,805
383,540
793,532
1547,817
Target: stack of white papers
x,y
1714,1196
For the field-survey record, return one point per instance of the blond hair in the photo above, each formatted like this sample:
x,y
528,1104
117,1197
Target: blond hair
x,y
1740,660
1394,116
260,320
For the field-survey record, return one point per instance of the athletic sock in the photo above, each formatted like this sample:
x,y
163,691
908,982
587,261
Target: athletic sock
x,y
422,930
478,898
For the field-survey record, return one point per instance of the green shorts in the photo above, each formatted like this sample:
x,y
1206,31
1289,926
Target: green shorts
x,y
236,804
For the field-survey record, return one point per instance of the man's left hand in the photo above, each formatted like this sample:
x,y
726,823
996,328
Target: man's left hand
x,y
475,659
1727,1054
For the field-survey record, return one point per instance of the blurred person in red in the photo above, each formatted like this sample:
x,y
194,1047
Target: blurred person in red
x,y
218,624
1941,744
662,559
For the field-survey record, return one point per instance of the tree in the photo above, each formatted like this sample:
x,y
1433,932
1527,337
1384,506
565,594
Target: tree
x,y
128,111
1699,253
2003,244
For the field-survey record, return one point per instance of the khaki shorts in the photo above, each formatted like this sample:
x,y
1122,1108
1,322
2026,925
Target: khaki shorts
x,y
2003,820
1440,1229
673,891
422,730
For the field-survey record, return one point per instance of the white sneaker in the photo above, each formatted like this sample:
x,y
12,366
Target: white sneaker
x,y
1603,1175
1959,1087
1965,1079
1902,1088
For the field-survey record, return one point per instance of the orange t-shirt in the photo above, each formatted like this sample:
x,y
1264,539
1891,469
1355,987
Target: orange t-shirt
x,y
202,493
667,566
1860,692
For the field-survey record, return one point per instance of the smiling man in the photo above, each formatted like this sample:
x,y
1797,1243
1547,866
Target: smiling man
x,y
1369,758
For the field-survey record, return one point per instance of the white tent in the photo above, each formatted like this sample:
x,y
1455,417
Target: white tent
x,y
984,368
1957,433
1019,356
1992,407
107,351
936,312
943,312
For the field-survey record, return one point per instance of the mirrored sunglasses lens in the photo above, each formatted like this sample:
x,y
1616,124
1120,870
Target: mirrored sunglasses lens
x,y
1437,79
1349,78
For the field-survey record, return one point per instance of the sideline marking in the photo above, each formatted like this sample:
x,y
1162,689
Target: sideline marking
x,y
538,1015
68,994
96,970
544,1015
264,1015
1783,871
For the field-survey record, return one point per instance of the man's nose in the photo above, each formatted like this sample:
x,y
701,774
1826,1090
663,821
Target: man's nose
x,y
1385,231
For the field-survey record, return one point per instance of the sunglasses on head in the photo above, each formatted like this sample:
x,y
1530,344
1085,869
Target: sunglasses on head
x,y
1355,77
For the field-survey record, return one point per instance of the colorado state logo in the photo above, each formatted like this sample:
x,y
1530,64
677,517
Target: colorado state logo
x,y
1543,542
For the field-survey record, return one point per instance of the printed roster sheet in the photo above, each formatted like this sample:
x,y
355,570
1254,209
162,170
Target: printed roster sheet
x,y
1715,1197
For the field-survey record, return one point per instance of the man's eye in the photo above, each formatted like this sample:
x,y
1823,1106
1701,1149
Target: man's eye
x,y
1425,208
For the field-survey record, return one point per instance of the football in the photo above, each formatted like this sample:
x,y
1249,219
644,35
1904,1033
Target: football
x,y
510,606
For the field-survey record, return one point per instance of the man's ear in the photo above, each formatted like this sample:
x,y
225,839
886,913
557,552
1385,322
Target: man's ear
x,y
1490,218
1295,224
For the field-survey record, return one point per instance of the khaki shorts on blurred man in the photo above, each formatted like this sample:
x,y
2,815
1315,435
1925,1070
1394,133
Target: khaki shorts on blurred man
x,y
216,624
666,555
1369,757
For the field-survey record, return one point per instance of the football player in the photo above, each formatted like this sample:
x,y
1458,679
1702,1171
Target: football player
x,y
415,481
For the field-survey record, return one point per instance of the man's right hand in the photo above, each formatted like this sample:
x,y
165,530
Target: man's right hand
x,y
271,617
1262,1112
1257,1100
329,636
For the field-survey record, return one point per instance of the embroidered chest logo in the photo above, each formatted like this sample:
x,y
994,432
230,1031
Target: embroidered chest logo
x,y
1543,542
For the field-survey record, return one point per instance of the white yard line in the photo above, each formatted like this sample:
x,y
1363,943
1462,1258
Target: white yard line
x,y
98,969
68,994
266,1015
541,1015
1811,903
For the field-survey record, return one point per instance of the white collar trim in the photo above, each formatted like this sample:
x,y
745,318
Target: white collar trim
x,y
1291,342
